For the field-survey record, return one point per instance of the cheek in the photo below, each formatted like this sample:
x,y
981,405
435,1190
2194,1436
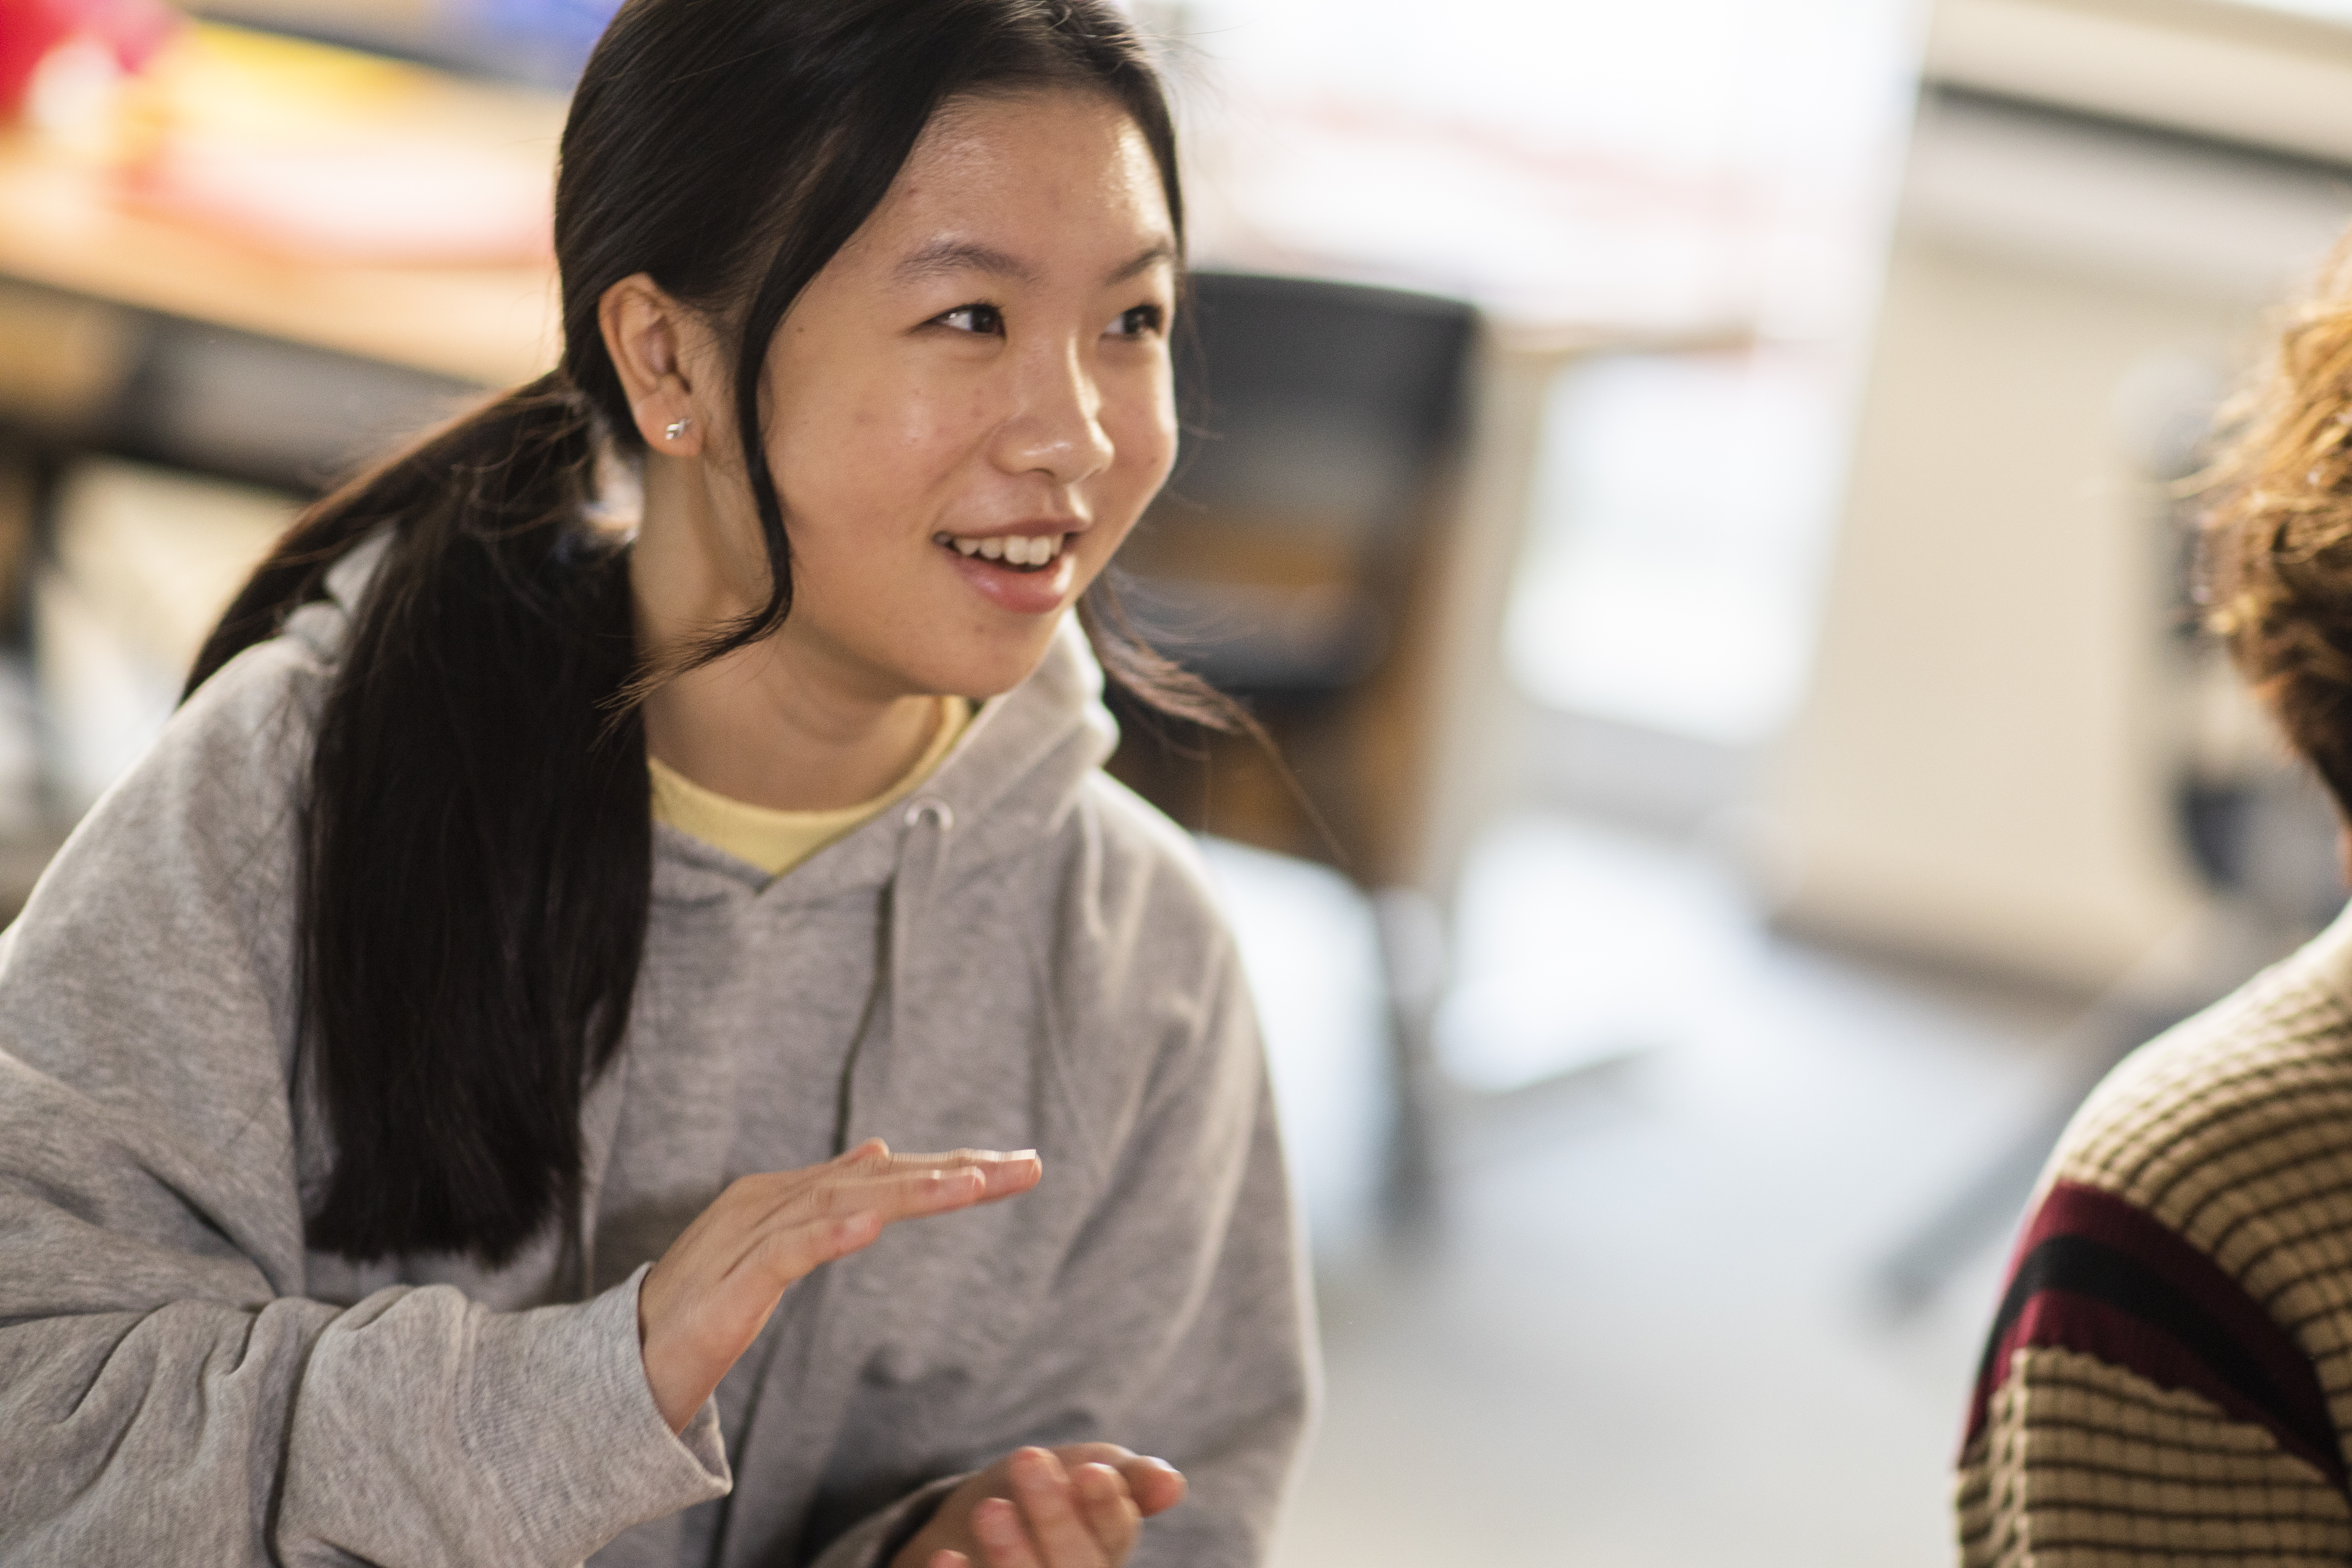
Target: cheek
x,y
1143,439
1142,430
865,452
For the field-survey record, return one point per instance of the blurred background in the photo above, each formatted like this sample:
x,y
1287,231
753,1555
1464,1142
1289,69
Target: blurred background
x,y
1693,489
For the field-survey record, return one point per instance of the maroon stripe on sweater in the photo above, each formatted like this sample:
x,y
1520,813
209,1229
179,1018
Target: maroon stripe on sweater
x,y
2083,1323
2096,1274
2073,1209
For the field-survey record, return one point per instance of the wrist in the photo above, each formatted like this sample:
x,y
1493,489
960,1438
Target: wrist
x,y
665,1380
673,1397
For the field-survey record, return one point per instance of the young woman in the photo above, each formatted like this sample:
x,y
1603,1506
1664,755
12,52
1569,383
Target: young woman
x,y
422,1079
2170,1376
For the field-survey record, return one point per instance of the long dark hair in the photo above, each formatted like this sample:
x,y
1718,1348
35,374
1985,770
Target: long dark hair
x,y
477,841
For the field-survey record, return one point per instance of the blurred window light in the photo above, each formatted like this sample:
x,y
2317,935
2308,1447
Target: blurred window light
x,y
1681,169
1670,576
1686,162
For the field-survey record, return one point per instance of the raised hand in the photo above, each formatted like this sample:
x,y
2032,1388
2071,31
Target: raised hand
x,y
707,1299
1079,1506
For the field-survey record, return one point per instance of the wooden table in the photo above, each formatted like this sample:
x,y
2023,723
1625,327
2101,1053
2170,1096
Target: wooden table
x,y
61,228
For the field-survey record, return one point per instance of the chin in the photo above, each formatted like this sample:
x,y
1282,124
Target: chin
x,y
981,673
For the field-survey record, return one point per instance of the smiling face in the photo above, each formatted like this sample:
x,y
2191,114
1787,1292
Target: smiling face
x,y
971,405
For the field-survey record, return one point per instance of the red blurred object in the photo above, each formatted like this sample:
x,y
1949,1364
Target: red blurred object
x,y
29,29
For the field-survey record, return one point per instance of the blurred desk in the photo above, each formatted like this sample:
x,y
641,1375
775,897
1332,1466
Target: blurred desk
x,y
136,335
141,336
60,227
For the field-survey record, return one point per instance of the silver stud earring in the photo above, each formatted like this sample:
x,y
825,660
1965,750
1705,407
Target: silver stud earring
x,y
676,428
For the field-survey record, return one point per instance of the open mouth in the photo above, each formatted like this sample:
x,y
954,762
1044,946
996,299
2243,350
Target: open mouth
x,y
1013,552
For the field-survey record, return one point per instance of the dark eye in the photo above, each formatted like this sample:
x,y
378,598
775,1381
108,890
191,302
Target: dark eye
x,y
986,321
1139,322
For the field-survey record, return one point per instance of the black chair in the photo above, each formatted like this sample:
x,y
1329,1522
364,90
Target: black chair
x,y
1284,561
1292,561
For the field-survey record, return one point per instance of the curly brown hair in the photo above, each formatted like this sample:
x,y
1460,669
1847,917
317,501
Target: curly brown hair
x,y
2277,550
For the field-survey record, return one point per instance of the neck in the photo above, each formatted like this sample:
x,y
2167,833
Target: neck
x,y
781,724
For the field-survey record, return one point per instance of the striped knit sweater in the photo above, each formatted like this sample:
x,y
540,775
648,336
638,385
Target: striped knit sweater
x,y
2170,1376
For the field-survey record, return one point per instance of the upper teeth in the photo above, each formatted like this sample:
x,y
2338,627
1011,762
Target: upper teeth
x,y
1019,550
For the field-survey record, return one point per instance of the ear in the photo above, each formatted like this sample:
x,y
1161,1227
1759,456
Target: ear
x,y
651,339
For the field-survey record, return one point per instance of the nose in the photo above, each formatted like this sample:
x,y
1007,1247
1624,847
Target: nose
x,y
1055,426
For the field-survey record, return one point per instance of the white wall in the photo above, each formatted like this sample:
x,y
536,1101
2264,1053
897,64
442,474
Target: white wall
x,y
1982,769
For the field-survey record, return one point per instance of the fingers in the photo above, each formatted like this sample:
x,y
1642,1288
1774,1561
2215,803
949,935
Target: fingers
x,y
766,1231
874,1154
871,1155
718,1282
1050,1506
1081,1505
936,1187
1006,1173
1003,1540
1057,1517
1111,1515
785,1228
1011,1174
788,1252
896,1195
1156,1485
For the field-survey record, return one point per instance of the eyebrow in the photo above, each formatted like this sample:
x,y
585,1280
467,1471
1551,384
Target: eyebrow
x,y
945,255
942,256
1165,250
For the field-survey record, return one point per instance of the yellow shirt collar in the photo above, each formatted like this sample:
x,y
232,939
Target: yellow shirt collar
x,y
776,841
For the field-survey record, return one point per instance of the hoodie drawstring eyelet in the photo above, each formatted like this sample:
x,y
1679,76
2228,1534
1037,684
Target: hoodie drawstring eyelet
x,y
930,808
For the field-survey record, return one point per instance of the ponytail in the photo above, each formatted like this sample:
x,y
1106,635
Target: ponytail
x,y
476,834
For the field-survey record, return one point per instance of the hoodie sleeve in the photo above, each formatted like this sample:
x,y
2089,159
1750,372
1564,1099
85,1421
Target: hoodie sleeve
x,y
168,1392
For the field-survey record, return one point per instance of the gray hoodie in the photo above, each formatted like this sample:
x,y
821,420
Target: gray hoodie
x,y
1021,955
